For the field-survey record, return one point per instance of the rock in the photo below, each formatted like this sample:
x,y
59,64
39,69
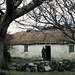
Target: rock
x,y
18,67
47,68
41,69
53,65
68,67
13,68
36,70
23,68
28,69
73,66
60,68
14,64
32,67
31,64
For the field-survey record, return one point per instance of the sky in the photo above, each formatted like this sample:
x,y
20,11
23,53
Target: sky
x,y
13,28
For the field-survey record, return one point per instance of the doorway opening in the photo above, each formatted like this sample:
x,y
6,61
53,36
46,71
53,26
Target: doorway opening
x,y
48,52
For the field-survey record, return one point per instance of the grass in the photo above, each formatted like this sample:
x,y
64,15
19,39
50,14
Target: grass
x,y
37,73
21,60
73,59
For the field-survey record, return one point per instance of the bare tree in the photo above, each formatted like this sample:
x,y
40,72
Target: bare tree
x,y
58,13
13,12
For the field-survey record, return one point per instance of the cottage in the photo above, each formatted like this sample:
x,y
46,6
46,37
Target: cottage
x,y
30,44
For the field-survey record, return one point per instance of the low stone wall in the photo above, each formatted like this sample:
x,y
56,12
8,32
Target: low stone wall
x,y
44,66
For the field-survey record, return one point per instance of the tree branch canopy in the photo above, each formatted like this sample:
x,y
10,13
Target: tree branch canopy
x,y
25,9
13,12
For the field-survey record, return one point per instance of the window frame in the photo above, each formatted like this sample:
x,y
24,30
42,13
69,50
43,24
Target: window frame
x,y
25,48
71,48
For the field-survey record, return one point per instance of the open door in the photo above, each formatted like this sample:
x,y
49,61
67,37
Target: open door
x,y
48,52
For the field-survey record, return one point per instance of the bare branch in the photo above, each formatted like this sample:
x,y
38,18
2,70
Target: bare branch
x,y
25,9
17,3
2,2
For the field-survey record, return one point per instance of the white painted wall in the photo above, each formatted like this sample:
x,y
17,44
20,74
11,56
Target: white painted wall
x,y
16,51
57,51
34,50
62,51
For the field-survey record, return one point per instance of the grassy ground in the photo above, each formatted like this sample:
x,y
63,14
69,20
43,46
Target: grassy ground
x,y
19,60
37,73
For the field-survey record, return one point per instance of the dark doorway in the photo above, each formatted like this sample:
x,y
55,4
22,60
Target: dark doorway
x,y
48,52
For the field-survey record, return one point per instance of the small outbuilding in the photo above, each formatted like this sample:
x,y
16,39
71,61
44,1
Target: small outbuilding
x,y
30,44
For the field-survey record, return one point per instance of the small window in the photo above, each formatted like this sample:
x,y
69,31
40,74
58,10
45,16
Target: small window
x,y
71,48
25,48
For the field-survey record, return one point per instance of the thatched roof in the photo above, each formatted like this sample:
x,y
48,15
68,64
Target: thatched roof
x,y
38,37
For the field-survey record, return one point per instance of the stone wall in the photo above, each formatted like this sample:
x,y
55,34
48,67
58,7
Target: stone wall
x,y
44,66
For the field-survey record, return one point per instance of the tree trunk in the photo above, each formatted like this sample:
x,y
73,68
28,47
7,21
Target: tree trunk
x,y
3,29
1,50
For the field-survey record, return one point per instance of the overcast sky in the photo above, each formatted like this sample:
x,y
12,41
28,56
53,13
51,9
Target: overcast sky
x,y
13,28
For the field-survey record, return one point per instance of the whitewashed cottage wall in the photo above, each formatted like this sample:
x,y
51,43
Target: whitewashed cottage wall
x,y
62,51
57,51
